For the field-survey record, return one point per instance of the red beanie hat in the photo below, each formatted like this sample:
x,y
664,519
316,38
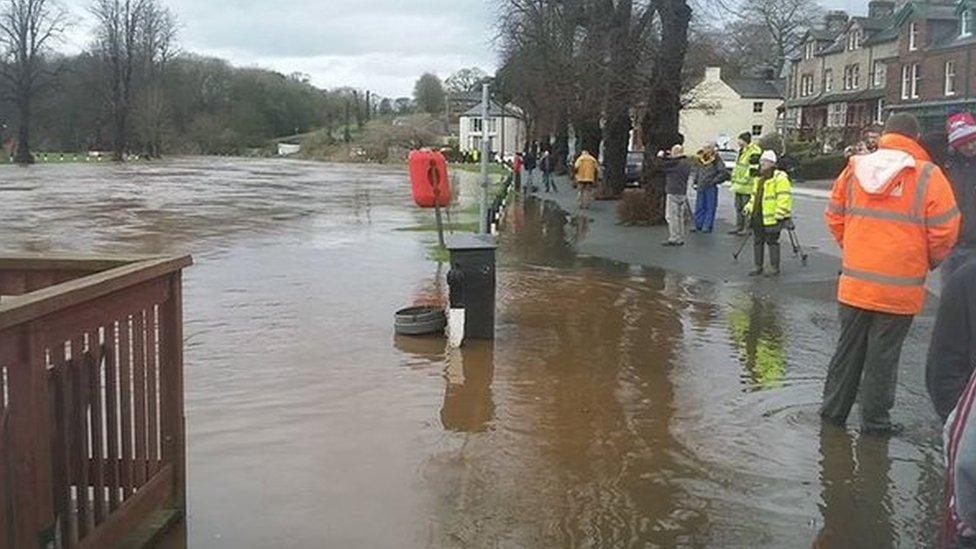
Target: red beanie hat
x,y
961,129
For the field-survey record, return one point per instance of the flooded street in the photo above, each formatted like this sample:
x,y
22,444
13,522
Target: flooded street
x,y
620,406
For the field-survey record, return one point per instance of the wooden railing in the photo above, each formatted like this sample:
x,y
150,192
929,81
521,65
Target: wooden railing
x,y
91,398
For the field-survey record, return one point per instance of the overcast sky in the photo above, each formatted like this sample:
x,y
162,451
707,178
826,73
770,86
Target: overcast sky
x,y
381,45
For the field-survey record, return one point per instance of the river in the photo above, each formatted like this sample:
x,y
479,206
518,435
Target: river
x,y
619,406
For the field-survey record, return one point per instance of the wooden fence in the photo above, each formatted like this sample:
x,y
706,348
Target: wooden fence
x,y
91,398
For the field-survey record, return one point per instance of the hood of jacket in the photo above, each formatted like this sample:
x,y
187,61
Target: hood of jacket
x,y
877,173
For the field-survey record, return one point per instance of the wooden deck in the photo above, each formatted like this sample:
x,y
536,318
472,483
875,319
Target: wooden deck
x,y
91,398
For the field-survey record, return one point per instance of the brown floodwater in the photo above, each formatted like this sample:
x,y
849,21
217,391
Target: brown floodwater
x,y
619,406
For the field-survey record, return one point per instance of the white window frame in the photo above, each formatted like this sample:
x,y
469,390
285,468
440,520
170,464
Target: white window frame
x,y
837,115
949,85
879,115
913,36
828,84
906,82
916,77
852,77
808,50
476,125
492,125
966,23
879,74
754,130
760,105
806,85
854,40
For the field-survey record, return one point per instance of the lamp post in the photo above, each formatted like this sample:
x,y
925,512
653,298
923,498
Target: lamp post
x,y
484,226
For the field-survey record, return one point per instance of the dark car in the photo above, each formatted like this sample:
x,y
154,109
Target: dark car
x,y
635,166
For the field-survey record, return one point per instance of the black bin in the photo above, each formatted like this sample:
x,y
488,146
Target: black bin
x,y
473,266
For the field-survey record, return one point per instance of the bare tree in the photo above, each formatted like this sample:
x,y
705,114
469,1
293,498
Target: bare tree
x,y
117,45
27,28
768,32
157,32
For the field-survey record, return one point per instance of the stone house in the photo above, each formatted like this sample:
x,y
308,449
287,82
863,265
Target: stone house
x,y
935,73
505,130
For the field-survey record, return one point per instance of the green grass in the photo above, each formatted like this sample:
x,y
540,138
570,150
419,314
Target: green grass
x,y
52,157
457,226
493,169
438,254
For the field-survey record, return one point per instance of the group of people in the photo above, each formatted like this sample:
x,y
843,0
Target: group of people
x,y
528,163
763,197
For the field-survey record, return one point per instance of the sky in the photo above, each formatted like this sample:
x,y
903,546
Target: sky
x,y
379,45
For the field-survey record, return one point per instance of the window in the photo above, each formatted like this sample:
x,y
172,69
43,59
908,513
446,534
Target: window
x,y
852,77
476,143
879,115
854,40
757,107
806,85
757,130
809,50
913,36
966,23
950,78
837,115
910,76
828,83
476,125
879,74
492,125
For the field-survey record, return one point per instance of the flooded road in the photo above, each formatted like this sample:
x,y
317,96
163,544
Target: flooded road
x,y
620,406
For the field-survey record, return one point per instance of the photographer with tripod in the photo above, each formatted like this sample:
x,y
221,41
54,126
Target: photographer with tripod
x,y
769,212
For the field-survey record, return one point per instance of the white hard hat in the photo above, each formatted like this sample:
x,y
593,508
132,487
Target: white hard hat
x,y
768,156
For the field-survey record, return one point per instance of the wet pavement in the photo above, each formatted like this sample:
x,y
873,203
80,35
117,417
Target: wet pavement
x,y
622,404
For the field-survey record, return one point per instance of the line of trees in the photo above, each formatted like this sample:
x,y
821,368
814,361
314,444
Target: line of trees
x,y
134,92
598,66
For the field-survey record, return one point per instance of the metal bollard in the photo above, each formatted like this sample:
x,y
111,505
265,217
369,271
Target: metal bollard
x,y
473,261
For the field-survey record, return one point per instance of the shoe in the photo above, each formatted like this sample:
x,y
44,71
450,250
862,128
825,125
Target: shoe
x,y
679,244
669,244
735,232
758,271
890,430
694,231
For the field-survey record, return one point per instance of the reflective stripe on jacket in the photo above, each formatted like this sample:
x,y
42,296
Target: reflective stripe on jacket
x,y
741,176
777,198
895,217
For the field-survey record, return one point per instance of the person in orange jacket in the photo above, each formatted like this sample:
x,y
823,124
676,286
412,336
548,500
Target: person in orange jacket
x,y
894,215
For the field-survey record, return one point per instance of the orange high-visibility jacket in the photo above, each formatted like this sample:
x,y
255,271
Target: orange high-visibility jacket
x,y
894,214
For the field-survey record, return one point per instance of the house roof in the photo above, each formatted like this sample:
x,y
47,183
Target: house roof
x,y
494,109
756,88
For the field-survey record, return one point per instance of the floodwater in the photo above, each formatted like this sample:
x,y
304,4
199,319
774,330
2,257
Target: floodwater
x,y
618,407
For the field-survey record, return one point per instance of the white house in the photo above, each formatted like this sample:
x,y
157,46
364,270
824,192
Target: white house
x,y
721,108
508,122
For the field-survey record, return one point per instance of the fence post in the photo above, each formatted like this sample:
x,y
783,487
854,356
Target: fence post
x,y
30,429
171,372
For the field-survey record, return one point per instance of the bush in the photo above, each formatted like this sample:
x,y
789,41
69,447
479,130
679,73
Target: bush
x,y
821,167
639,207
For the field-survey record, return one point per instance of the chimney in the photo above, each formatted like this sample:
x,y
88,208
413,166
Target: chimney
x,y
713,73
834,21
879,9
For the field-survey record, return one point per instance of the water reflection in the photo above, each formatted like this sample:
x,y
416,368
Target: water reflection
x,y
854,477
468,405
756,329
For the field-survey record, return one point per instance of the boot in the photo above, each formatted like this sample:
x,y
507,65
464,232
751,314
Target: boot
x,y
758,253
774,255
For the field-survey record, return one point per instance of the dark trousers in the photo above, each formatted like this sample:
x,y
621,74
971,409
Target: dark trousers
x,y
765,235
741,219
705,207
550,184
869,347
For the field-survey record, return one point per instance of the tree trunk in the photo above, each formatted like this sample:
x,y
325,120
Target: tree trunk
x,y
660,120
590,135
616,136
23,155
560,148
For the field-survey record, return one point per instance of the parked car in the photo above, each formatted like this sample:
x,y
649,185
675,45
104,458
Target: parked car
x,y
729,157
635,166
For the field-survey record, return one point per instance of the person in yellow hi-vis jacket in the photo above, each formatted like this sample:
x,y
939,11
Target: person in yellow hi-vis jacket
x,y
769,211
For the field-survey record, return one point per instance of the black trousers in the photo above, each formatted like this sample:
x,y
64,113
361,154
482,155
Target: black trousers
x,y
869,349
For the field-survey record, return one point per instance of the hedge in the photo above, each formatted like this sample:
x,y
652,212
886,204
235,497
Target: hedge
x,y
821,167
